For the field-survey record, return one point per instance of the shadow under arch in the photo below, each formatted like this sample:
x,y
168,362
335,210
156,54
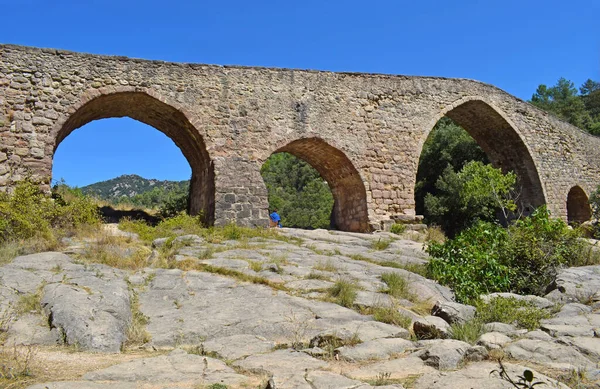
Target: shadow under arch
x,y
503,145
578,206
350,197
164,117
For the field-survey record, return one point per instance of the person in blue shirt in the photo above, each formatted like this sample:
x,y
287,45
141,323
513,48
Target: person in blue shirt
x,y
275,219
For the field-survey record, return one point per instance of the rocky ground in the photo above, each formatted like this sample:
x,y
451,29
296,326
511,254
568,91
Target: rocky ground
x,y
260,314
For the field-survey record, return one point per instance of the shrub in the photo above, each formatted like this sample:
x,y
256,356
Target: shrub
x,y
511,311
28,212
523,258
398,228
471,263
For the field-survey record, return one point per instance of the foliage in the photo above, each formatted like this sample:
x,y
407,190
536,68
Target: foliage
x,y
472,263
447,145
398,228
29,213
476,192
581,110
468,331
521,313
381,244
297,191
523,258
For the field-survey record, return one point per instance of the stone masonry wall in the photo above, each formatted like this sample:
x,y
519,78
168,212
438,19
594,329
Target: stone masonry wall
x,y
365,131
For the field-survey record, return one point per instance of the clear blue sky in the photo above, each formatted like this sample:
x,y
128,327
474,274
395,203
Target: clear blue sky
x,y
515,45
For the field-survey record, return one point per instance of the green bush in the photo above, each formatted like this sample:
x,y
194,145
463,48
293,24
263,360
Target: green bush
x,y
472,262
521,313
523,258
30,213
398,228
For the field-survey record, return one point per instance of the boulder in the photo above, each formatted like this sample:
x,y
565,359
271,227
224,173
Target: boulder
x,y
453,312
431,327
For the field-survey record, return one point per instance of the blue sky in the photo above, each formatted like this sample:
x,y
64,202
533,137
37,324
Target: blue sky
x,y
515,45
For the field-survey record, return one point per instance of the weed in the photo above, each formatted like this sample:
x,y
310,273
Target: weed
x,y
398,229
30,302
299,327
136,332
16,368
328,266
381,244
435,234
383,378
524,381
255,265
468,331
344,292
397,286
317,276
390,315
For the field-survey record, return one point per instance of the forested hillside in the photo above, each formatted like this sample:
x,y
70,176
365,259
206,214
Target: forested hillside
x,y
137,191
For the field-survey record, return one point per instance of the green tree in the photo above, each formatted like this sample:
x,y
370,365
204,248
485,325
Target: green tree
x,y
448,144
581,110
477,192
297,191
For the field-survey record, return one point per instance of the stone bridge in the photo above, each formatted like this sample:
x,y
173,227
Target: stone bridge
x,y
362,132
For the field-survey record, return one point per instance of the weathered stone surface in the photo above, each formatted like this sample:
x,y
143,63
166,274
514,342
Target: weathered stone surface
x,y
374,349
84,385
493,340
578,284
178,366
453,312
339,129
399,368
445,354
431,327
477,375
328,380
30,329
556,356
238,346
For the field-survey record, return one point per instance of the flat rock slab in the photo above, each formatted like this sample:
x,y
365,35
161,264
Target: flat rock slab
x,y
375,349
400,368
576,284
85,385
176,367
287,368
549,354
329,380
238,346
477,375
444,354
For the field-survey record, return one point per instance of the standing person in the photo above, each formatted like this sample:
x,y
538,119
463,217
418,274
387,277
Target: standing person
x,y
275,219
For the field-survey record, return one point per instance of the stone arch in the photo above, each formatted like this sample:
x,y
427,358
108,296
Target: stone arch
x,y
499,139
350,197
578,206
149,108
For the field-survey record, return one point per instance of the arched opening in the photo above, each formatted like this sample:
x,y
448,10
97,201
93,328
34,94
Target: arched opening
x,y
578,206
491,139
166,119
349,211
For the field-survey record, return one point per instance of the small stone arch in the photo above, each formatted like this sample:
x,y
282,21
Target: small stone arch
x,y
350,198
150,108
499,139
578,206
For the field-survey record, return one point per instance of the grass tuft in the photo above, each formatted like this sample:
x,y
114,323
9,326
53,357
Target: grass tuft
x,y
344,292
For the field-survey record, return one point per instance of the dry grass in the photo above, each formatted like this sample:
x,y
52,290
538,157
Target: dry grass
x,y
327,266
116,251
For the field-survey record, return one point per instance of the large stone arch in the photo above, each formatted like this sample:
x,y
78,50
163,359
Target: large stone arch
x,y
578,206
349,194
169,118
499,139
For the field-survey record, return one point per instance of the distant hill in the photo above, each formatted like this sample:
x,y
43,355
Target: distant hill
x,y
130,186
